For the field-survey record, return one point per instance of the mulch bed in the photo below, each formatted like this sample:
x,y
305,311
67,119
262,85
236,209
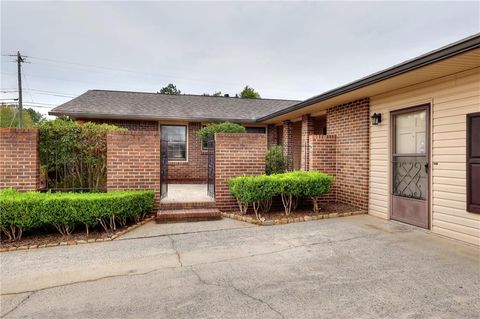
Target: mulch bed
x,y
277,216
39,239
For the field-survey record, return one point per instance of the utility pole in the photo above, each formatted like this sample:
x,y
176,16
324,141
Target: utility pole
x,y
20,105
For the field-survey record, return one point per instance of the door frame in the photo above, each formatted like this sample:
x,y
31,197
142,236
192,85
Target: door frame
x,y
427,106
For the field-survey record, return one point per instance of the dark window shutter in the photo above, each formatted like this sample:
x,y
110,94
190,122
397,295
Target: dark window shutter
x,y
473,162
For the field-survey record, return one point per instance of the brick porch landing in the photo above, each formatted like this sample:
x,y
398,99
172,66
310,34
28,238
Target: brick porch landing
x,y
187,203
187,193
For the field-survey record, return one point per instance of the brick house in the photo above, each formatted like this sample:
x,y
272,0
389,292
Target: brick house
x,y
403,143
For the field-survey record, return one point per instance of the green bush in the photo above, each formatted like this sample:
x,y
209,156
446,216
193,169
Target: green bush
x,y
259,190
275,161
255,190
65,211
207,133
73,155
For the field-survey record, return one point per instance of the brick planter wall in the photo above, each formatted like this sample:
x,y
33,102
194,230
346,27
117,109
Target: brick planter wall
x,y
19,159
350,123
322,157
133,161
236,155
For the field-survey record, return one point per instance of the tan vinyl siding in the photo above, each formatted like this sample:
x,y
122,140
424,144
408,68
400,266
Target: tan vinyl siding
x,y
451,98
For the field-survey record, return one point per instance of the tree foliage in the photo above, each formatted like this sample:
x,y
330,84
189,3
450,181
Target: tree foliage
x,y
73,155
9,116
170,89
207,133
249,93
275,160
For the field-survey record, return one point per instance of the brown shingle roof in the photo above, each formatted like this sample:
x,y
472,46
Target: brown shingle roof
x,y
138,105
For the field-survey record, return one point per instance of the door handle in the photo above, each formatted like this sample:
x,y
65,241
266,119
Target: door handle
x,y
426,167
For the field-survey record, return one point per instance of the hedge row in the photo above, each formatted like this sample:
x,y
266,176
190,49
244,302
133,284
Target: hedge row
x,y
64,211
259,190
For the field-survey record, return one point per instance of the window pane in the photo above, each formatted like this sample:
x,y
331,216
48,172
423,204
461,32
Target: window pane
x,y
252,129
176,136
410,133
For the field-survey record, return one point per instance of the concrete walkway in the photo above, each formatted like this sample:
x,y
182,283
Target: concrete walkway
x,y
359,266
182,193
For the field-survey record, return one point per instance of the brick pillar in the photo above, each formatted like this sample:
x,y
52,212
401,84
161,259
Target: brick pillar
x,y
19,159
288,143
322,157
307,130
236,154
272,138
133,161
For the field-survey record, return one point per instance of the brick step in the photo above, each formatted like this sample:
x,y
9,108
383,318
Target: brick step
x,y
186,205
187,215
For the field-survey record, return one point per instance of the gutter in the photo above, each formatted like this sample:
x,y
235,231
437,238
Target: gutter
x,y
448,51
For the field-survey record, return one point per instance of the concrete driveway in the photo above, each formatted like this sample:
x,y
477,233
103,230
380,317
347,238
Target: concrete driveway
x,y
359,266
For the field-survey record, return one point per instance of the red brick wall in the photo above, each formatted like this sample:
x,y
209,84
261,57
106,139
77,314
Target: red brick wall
x,y
236,155
195,169
19,159
272,138
287,142
322,157
350,124
296,145
132,125
133,161
307,129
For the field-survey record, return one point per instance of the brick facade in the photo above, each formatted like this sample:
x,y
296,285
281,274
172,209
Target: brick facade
x,y
194,170
287,141
350,124
131,125
236,155
307,129
133,161
272,138
19,159
322,157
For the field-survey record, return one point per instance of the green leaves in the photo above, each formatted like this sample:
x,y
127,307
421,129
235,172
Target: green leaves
x,y
291,185
207,133
33,209
80,148
275,160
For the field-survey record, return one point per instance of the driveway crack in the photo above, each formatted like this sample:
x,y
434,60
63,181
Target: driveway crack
x,y
23,301
174,247
236,289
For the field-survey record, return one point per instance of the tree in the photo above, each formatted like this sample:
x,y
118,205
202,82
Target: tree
x,y
36,117
170,89
219,93
249,93
9,116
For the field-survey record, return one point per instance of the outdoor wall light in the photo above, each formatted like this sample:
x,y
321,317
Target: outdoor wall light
x,y
376,118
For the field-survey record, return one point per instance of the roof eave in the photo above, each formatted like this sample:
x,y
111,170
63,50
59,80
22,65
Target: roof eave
x,y
443,53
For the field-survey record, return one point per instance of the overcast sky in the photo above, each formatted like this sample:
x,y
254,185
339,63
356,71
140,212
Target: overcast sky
x,y
283,50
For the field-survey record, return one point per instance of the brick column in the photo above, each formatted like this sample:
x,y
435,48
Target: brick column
x,y
322,157
133,161
307,130
288,143
236,154
19,159
272,138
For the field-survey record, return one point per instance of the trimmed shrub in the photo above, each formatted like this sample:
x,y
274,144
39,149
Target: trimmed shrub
x,y
275,161
65,211
259,190
207,133
255,190
73,155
